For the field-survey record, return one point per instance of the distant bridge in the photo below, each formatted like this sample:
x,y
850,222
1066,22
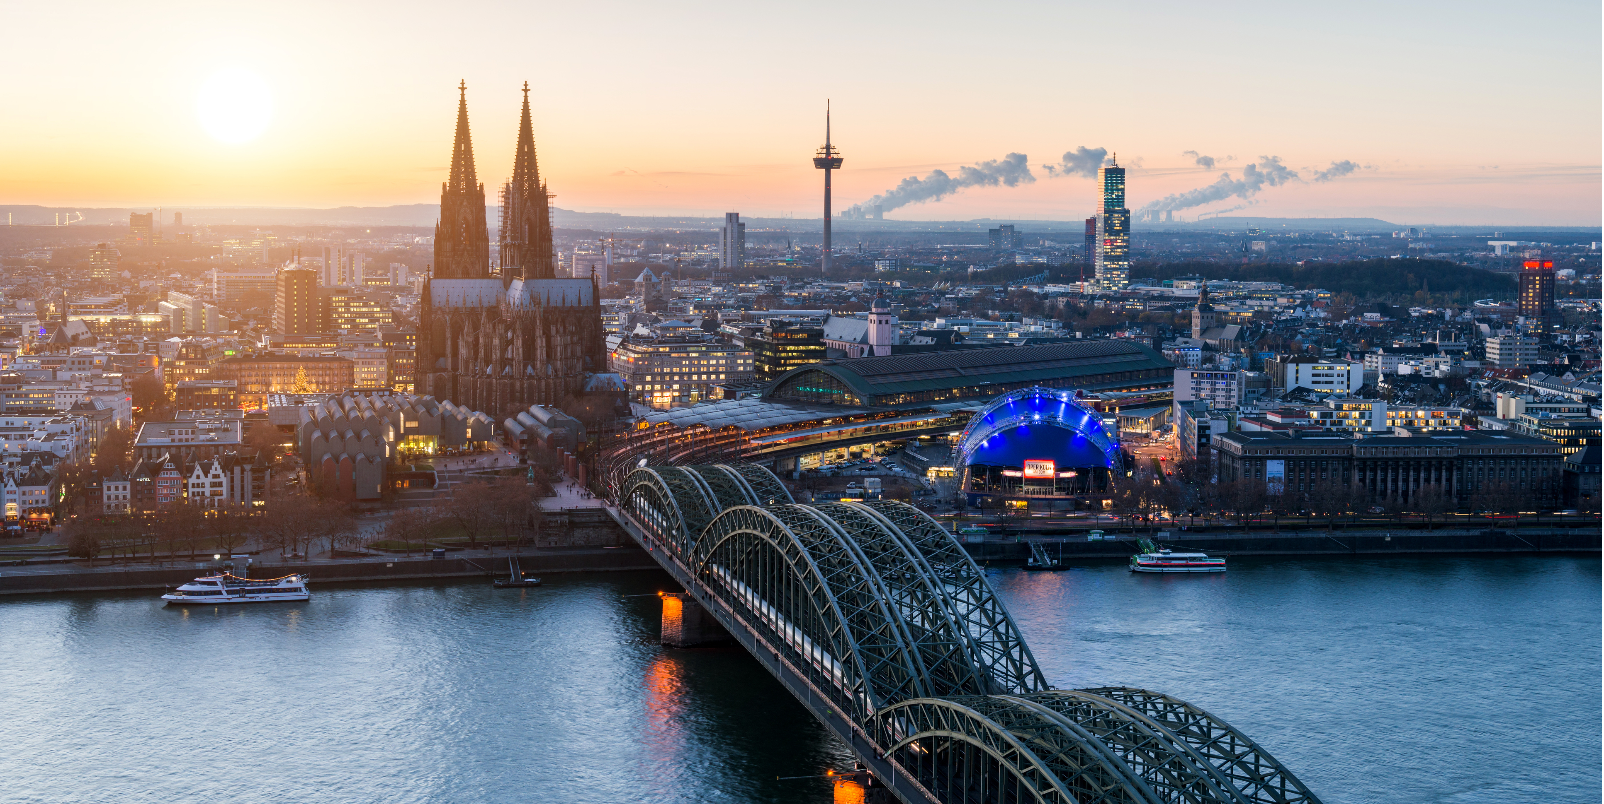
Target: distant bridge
x,y
883,627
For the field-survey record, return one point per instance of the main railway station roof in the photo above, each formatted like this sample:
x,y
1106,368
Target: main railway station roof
x,y
1117,365
747,414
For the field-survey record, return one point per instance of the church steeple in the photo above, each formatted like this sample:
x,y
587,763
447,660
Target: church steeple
x,y
463,176
526,241
461,240
525,167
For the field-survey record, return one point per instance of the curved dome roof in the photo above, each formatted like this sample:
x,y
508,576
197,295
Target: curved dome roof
x,y
1037,423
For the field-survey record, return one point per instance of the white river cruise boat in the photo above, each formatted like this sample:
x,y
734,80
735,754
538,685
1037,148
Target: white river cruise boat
x,y
227,588
1168,561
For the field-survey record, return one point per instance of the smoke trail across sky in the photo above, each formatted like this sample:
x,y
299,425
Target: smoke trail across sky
x,y
1009,171
1268,171
1082,161
1336,170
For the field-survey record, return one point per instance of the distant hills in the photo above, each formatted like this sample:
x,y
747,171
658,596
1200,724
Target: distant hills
x,y
425,215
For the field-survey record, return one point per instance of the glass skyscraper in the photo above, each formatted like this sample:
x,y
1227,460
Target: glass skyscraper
x,y
1113,230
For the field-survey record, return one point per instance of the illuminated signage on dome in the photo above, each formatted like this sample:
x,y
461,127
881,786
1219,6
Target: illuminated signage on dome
x,y
1041,469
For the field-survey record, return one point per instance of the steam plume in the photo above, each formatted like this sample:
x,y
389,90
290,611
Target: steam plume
x,y
1337,169
1082,161
1268,171
1206,162
1010,171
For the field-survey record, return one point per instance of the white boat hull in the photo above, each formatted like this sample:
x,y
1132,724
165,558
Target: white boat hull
x,y
223,589
1139,568
186,600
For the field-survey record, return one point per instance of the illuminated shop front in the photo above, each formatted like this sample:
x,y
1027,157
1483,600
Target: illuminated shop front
x,y
1038,446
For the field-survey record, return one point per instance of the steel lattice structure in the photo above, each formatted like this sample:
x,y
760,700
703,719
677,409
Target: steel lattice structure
x,y
876,609
1010,410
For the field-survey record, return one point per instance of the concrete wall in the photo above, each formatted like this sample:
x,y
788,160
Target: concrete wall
x,y
73,578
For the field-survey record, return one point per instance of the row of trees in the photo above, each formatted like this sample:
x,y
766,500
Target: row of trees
x,y
293,523
503,510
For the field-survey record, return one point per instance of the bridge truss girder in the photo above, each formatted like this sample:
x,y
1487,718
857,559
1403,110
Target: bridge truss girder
x,y
880,609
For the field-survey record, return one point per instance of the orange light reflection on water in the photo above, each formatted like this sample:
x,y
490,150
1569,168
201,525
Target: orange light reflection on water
x,y
664,707
848,791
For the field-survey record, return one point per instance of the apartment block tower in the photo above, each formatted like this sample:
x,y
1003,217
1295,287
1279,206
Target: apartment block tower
x,y
1113,264
297,309
732,242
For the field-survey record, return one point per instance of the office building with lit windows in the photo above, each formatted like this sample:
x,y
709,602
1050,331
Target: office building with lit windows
x,y
672,370
782,346
1113,230
1536,303
295,301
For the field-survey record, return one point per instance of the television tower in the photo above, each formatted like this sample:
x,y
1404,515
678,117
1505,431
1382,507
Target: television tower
x,y
827,159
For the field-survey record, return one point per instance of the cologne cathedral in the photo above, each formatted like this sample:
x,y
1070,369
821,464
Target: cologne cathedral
x,y
503,339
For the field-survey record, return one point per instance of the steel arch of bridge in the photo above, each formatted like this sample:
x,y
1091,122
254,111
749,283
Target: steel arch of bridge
x,y
1006,412
882,613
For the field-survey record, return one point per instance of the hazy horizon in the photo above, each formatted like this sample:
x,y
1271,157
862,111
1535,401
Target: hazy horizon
x,y
1394,112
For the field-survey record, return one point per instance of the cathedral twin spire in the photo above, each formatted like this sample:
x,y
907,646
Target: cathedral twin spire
x,y
462,172
462,242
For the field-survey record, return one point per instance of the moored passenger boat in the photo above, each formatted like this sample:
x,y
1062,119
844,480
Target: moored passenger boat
x,y
227,588
1165,560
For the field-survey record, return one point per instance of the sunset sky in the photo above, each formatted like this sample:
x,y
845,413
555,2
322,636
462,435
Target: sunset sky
x,y
1460,113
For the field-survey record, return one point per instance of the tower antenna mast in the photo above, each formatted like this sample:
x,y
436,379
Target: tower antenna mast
x,y
827,159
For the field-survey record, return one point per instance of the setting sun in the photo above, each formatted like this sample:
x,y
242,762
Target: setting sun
x,y
234,106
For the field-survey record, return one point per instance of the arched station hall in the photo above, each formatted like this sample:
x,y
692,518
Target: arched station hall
x,y
1039,448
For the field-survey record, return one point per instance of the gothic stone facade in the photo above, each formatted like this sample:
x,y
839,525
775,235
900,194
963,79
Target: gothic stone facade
x,y
491,347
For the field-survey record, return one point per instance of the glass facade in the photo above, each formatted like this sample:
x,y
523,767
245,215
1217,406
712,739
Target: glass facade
x,y
778,350
1113,264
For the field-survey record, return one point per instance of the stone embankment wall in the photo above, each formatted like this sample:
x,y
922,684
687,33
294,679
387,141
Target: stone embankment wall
x,y
1311,542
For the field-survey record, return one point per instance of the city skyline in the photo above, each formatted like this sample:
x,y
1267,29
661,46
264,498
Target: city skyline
x,y
1441,118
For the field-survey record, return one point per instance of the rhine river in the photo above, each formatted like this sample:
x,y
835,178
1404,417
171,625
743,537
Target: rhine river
x,y
1398,680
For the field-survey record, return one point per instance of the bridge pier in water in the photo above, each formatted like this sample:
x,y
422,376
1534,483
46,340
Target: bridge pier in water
x,y
686,623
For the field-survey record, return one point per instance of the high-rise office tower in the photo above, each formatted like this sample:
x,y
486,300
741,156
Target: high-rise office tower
x,y
732,242
1113,229
461,241
1537,294
827,159
1089,263
526,242
1004,238
141,226
329,275
296,303
104,263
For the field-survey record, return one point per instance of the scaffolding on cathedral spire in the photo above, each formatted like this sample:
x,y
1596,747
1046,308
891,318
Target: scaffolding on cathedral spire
x,y
527,250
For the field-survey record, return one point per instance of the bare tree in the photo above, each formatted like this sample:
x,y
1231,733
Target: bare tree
x,y
1432,502
229,527
407,525
1243,498
329,521
83,540
470,508
512,502
177,522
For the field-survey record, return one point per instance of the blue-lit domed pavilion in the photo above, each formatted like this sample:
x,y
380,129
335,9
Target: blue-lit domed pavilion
x,y
1037,444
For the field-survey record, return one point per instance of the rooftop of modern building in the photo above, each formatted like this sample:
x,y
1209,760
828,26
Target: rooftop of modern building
x,y
1461,438
873,377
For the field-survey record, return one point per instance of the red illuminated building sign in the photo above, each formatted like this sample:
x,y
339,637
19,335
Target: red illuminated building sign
x,y
1040,469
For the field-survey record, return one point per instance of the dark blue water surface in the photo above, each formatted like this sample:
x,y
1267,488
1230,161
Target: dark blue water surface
x,y
1376,680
